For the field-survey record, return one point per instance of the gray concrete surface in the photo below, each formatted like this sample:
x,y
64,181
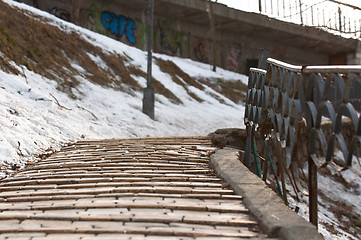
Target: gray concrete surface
x,y
182,28
275,218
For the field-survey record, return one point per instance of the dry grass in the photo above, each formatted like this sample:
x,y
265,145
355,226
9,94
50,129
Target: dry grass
x,y
7,67
180,77
50,52
234,90
158,86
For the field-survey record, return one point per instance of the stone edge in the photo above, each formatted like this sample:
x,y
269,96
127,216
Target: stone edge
x,y
275,218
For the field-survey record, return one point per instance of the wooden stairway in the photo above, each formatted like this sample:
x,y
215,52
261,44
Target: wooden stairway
x,y
142,188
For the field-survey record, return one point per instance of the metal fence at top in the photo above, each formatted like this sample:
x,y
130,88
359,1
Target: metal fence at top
x,y
286,99
338,16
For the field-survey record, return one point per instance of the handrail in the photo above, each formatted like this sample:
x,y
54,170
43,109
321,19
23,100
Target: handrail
x,y
287,66
333,69
342,69
279,98
258,70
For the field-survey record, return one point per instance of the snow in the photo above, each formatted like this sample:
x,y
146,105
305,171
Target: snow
x,y
335,191
320,13
35,116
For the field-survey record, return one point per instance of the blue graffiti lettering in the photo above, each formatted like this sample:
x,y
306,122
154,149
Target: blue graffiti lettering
x,y
130,31
118,25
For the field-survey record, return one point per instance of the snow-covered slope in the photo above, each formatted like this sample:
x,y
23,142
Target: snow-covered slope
x,y
35,115
60,101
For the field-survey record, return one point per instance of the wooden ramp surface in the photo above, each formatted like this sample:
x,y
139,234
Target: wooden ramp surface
x,y
144,188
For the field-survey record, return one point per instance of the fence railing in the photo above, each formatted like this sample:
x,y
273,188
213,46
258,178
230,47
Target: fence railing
x,y
340,17
287,103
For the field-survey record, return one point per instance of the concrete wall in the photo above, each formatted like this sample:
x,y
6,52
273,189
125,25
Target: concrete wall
x,y
186,37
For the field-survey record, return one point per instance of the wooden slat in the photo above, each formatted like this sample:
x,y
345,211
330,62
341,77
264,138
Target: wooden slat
x,y
145,188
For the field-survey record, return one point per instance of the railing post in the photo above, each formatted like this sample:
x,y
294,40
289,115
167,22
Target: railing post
x,y
340,18
282,170
247,154
301,12
312,186
262,59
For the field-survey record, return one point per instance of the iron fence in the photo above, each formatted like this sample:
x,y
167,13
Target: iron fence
x,y
286,101
338,16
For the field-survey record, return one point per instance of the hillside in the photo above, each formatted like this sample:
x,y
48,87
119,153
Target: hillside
x,y
60,83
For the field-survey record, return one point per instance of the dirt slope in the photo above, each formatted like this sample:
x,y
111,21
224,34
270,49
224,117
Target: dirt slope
x,y
48,51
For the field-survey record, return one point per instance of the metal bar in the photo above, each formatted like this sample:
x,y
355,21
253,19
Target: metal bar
x,y
284,65
282,170
256,158
291,180
265,167
273,169
301,17
257,70
247,154
345,4
260,6
345,69
284,9
340,18
312,186
262,58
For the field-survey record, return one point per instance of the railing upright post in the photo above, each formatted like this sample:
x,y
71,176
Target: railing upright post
x,y
340,18
312,170
282,171
247,154
301,12
312,186
262,59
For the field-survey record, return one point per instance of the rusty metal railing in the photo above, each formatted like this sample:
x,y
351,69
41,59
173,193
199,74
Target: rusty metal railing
x,y
336,16
287,99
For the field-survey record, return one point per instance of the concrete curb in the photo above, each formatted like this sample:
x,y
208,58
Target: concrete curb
x,y
274,217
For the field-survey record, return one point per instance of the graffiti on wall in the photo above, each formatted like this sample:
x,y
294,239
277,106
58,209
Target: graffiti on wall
x,y
141,33
119,25
168,36
171,41
202,51
94,18
234,55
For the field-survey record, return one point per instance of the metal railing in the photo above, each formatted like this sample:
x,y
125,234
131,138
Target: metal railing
x,y
286,100
337,16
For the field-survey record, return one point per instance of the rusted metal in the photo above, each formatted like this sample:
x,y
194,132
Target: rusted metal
x,y
312,188
284,96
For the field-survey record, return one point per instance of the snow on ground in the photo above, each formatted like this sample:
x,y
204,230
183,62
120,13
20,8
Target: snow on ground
x,y
337,192
35,116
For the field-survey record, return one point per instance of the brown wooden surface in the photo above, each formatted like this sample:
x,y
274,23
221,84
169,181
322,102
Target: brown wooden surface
x,y
142,188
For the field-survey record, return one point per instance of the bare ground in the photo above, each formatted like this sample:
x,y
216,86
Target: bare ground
x,y
50,52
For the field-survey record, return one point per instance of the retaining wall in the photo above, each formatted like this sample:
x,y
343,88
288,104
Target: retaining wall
x,y
182,28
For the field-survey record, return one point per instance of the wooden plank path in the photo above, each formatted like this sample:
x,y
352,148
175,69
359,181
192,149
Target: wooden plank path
x,y
143,188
